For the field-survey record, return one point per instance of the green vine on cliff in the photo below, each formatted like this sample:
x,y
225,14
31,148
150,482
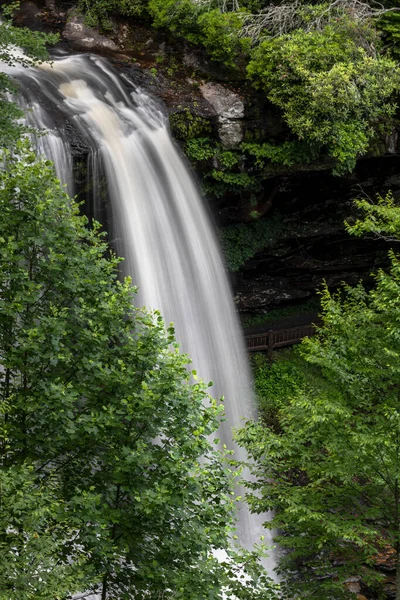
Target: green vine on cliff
x,y
224,172
286,154
242,241
187,126
243,169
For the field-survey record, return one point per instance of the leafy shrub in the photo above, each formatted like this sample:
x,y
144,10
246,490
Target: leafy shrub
x,y
35,51
276,382
332,93
220,37
226,174
218,32
389,24
242,170
327,77
98,12
233,182
186,126
201,148
178,16
287,154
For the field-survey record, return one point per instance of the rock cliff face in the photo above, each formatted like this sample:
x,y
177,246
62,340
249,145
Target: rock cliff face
x,y
229,108
310,203
313,245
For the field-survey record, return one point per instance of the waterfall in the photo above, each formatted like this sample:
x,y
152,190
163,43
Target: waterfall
x,y
157,221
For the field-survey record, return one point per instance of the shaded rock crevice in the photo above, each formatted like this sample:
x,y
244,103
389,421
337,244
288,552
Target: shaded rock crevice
x,y
313,245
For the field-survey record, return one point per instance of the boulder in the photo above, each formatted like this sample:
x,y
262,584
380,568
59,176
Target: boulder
x,y
229,109
80,35
352,584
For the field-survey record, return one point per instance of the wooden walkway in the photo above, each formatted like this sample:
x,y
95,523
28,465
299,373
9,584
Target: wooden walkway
x,y
269,341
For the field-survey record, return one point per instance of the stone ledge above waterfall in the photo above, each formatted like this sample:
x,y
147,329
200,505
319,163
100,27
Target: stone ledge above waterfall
x,y
80,35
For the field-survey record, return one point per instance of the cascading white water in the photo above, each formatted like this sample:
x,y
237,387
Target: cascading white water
x,y
158,222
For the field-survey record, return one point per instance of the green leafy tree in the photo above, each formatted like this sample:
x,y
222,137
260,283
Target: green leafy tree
x,y
335,95
328,458
321,63
200,23
106,461
179,16
18,45
381,219
220,35
389,24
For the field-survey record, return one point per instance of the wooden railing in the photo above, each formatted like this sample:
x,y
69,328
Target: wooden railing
x,y
267,342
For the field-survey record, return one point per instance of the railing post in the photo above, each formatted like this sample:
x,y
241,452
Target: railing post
x,y
270,343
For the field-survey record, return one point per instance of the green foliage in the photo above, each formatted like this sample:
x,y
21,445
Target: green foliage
x,y
390,25
220,37
88,383
98,12
226,158
333,95
33,43
226,173
242,241
199,149
227,181
218,32
274,383
240,171
186,126
322,66
328,459
380,219
33,564
34,49
178,16
286,154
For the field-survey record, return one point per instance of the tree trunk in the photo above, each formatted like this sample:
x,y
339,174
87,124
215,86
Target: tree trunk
x,y
5,417
397,529
104,588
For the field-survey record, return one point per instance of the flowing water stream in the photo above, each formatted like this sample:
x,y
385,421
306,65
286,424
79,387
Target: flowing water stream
x,y
156,220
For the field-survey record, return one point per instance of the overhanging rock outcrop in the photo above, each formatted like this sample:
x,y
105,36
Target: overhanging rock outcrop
x,y
230,111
